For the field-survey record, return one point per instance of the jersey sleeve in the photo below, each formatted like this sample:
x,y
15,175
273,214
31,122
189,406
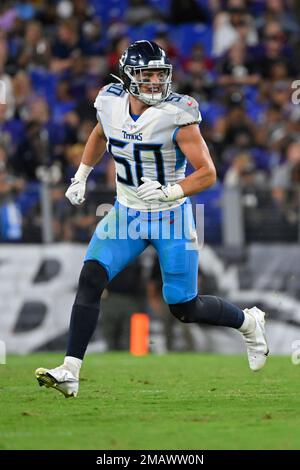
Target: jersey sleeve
x,y
98,104
187,112
112,90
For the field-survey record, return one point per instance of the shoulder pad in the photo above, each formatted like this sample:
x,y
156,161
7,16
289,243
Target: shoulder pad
x,y
187,109
111,90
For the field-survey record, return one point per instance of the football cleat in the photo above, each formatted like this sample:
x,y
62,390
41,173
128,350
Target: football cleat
x,y
257,347
60,379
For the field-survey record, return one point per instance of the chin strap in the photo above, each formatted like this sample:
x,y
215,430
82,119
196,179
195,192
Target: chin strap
x,y
117,78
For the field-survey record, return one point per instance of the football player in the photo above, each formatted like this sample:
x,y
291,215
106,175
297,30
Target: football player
x,y
150,132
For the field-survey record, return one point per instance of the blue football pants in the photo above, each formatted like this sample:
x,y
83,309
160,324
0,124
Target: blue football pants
x,y
124,233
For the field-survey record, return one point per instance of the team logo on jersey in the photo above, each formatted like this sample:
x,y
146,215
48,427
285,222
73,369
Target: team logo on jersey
x,y
138,136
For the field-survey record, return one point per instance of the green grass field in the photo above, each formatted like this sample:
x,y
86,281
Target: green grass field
x,y
174,401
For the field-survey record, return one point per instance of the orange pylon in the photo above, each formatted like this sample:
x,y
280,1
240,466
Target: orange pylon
x,y
139,334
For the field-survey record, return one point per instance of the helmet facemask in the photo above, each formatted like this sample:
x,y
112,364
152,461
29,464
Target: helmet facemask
x,y
141,86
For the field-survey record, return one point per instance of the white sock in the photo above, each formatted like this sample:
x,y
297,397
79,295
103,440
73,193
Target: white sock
x,y
248,324
73,364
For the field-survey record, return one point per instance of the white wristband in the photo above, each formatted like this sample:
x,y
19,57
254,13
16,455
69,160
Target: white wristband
x,y
83,172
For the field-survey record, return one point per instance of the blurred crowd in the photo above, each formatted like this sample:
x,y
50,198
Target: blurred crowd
x,y
238,58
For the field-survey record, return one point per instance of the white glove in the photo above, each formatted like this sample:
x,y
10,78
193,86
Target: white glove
x,y
76,191
153,191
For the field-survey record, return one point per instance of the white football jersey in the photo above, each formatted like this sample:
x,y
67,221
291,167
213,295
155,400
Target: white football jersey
x,y
145,147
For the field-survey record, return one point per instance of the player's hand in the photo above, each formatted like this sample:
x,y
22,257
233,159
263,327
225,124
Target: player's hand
x,y
154,191
75,192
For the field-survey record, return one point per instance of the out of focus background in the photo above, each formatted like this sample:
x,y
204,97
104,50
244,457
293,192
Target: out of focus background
x,y
240,60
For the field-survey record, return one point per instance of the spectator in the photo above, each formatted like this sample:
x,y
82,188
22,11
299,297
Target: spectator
x,y
283,175
139,13
233,25
275,49
35,51
236,68
10,216
243,172
67,45
275,10
6,80
187,11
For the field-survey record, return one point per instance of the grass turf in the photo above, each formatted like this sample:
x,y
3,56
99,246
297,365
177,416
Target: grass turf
x,y
174,401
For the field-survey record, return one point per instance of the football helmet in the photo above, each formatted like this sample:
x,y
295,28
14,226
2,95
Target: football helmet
x,y
138,62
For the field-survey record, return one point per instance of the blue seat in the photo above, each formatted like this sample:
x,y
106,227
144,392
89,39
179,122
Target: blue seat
x,y
211,112
147,31
109,10
186,35
161,5
44,83
29,197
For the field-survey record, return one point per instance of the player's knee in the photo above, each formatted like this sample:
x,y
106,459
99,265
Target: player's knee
x,y
186,312
173,294
92,281
179,313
